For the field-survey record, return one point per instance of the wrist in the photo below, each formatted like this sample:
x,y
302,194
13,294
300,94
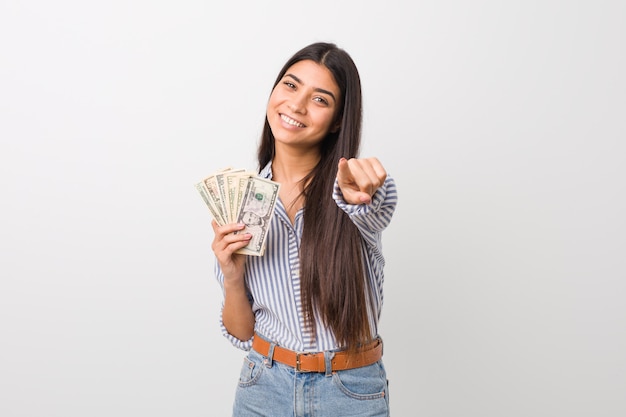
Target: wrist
x,y
234,285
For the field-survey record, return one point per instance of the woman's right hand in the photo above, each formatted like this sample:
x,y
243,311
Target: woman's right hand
x,y
237,314
225,244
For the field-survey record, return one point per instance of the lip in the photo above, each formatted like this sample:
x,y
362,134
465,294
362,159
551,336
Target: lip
x,y
290,121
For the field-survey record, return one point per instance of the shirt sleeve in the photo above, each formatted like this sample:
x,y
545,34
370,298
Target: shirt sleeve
x,y
238,343
371,219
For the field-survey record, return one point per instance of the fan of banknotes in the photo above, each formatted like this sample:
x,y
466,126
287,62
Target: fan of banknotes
x,y
240,196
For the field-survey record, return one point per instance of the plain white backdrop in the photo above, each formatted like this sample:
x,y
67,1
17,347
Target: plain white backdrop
x,y
502,122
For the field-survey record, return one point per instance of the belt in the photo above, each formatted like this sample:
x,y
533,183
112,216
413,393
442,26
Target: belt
x,y
315,362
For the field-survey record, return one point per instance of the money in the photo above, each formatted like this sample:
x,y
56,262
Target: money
x,y
239,196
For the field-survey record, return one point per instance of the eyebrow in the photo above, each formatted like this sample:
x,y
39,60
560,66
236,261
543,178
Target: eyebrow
x,y
319,90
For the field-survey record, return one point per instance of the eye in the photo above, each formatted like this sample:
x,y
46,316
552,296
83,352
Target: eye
x,y
320,100
289,84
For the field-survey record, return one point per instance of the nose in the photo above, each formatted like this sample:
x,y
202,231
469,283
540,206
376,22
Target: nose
x,y
298,103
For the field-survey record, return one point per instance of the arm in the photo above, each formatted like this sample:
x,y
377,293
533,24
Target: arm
x,y
367,194
237,315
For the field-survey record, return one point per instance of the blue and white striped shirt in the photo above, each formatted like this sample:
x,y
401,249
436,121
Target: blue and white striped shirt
x,y
274,278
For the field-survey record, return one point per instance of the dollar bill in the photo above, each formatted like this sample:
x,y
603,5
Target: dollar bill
x,y
256,212
236,183
222,187
204,193
239,196
215,196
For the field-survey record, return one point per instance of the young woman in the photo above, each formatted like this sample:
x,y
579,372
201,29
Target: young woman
x,y
307,310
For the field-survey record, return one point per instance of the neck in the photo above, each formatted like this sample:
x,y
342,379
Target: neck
x,y
290,168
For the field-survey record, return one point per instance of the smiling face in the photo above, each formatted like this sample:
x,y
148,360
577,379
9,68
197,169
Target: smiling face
x,y
302,107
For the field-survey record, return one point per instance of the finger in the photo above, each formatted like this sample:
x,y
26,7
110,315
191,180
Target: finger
x,y
238,241
343,171
225,249
371,169
379,171
346,179
225,238
376,173
227,228
362,175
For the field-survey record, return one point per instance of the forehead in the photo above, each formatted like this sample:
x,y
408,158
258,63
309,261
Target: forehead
x,y
314,75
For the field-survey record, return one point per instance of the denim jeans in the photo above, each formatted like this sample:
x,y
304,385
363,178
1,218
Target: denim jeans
x,y
271,389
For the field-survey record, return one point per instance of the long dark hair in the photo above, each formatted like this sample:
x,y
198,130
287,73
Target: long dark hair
x,y
331,268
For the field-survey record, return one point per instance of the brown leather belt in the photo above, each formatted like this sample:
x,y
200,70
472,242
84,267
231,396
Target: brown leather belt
x,y
315,362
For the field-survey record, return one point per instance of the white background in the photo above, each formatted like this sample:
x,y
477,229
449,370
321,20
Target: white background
x,y
502,122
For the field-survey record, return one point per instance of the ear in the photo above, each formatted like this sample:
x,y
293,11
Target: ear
x,y
335,127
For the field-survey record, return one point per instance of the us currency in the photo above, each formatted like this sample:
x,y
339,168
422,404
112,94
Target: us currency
x,y
256,212
236,184
215,197
222,187
237,195
204,193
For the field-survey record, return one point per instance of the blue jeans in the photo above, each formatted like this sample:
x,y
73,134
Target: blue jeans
x,y
270,389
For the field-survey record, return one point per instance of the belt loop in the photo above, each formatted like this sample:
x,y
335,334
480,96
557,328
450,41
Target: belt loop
x,y
328,364
270,355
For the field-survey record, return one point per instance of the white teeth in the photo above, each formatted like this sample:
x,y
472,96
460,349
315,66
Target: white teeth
x,y
291,121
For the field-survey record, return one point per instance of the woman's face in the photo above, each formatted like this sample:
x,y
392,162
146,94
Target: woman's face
x,y
302,106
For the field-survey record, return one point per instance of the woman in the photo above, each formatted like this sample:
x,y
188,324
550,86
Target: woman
x,y
307,311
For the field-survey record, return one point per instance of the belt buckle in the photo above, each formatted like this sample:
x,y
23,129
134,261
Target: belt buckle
x,y
298,362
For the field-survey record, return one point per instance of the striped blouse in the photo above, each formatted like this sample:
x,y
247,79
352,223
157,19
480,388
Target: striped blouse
x,y
274,278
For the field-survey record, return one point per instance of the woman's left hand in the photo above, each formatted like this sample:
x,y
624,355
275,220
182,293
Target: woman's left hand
x,y
359,179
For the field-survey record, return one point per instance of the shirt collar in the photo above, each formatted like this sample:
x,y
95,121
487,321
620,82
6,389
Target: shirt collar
x,y
266,172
